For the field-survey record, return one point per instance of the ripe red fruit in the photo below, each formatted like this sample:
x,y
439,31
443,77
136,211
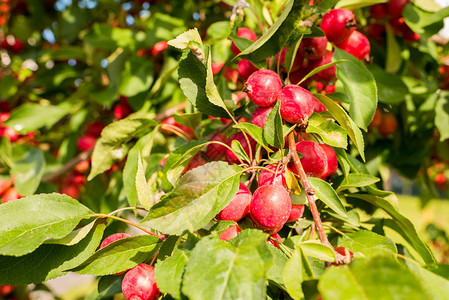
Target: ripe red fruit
x,y
378,11
230,74
238,207
270,207
246,33
332,163
70,190
4,116
11,194
440,179
246,68
86,142
6,289
8,132
216,67
216,151
122,110
139,283
296,213
230,233
171,121
112,238
357,44
4,185
313,48
94,128
230,156
326,75
314,160
82,167
338,24
318,107
395,7
158,48
377,119
297,104
268,178
260,115
263,87
389,124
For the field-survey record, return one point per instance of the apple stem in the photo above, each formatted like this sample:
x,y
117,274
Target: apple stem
x,y
129,223
308,190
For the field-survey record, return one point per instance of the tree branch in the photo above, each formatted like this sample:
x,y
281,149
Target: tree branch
x,y
68,166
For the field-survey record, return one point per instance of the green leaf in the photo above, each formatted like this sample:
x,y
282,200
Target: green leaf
x,y
143,192
407,230
183,40
317,250
107,286
353,180
379,277
28,171
320,68
143,148
364,239
272,131
64,52
109,147
137,76
219,270
193,76
330,133
120,255
282,32
197,197
49,260
169,273
29,117
73,237
290,56
279,259
360,87
326,193
184,155
219,30
390,86
442,115
255,132
424,22
435,286
355,4
394,58
237,148
27,222
345,121
293,275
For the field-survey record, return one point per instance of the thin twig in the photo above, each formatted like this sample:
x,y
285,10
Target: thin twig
x,y
169,112
308,190
68,166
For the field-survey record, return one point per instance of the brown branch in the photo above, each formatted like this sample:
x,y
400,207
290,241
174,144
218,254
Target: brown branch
x,y
308,190
169,112
68,166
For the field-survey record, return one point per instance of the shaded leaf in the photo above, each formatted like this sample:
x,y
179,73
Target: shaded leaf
x,y
169,273
28,171
272,130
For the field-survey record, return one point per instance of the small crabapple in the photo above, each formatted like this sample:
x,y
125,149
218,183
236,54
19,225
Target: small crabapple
x,y
268,178
260,115
338,24
139,283
246,68
86,142
357,44
263,87
297,104
11,194
296,213
230,233
238,207
332,163
246,33
216,151
314,160
313,48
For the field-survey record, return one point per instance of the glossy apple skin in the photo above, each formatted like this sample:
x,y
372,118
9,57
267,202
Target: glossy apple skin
x,y
263,87
246,33
314,159
5,185
338,24
246,68
230,233
297,104
11,194
326,75
357,44
113,237
332,163
296,213
313,48
260,115
159,47
238,207
139,283
216,151
270,207
86,142
268,178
